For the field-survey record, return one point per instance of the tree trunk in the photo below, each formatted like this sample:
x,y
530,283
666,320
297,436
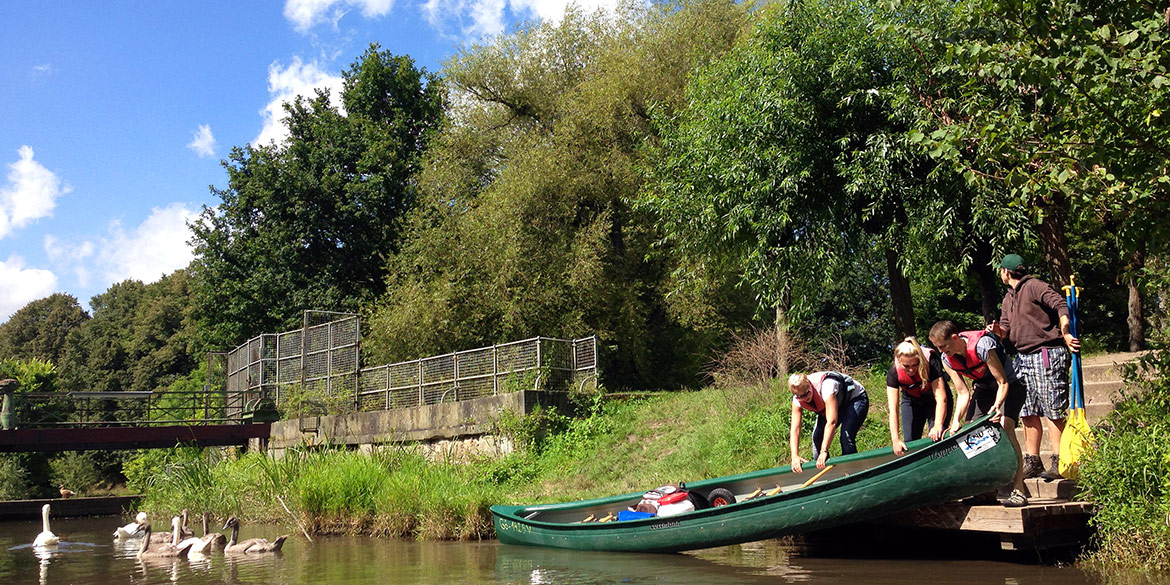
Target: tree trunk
x,y
783,342
980,269
1137,326
1053,242
903,303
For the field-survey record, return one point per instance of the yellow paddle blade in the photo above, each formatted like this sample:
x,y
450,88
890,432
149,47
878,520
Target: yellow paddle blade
x,y
1075,439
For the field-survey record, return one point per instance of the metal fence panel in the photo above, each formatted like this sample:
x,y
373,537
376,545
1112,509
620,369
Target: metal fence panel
x,y
324,356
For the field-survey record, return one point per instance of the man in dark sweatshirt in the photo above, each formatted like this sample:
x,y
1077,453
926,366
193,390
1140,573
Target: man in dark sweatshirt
x,y
1034,320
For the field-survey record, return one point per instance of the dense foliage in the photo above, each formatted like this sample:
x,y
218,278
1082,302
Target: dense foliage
x,y
142,337
40,328
523,227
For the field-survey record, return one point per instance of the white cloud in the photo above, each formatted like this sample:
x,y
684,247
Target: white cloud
x,y
156,247
203,142
71,257
305,14
477,19
20,285
31,193
284,84
43,69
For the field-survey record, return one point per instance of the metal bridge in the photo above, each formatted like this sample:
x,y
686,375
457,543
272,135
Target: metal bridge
x,y
86,421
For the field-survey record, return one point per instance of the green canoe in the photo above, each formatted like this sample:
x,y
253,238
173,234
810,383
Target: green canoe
x,y
978,459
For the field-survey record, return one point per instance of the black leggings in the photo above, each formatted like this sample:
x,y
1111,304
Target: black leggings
x,y
917,413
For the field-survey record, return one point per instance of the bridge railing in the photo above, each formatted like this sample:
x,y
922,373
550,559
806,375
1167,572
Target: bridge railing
x,y
113,409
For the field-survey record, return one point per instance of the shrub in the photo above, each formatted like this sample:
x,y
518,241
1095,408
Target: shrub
x,y
1127,472
76,470
299,401
13,478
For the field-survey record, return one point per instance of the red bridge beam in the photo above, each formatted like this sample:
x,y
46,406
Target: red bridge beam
x,y
114,438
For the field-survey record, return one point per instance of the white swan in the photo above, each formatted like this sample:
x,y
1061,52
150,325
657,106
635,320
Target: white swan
x,y
252,545
133,529
46,537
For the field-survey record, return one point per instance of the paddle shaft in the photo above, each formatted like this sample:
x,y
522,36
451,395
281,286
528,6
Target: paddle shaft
x,y
1077,433
817,476
1076,384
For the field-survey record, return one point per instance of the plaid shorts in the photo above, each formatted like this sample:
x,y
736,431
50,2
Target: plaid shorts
x,y
1046,378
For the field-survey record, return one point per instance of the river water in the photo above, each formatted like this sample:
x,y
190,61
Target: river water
x,y
89,556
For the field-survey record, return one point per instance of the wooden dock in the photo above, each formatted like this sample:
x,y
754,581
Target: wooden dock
x,y
1052,526
1051,520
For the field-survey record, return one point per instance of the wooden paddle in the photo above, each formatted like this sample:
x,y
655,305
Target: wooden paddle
x,y
1077,435
817,476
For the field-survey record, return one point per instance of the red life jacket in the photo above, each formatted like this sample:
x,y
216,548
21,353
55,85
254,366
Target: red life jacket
x,y
816,402
968,365
911,383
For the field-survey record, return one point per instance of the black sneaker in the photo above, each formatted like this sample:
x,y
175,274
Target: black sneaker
x,y
1052,472
1033,466
1015,500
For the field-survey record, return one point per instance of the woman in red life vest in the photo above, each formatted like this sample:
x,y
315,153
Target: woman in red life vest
x,y
917,376
839,402
979,356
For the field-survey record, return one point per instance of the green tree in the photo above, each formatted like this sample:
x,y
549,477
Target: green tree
x,y
1059,103
524,227
97,356
789,163
141,338
38,330
309,223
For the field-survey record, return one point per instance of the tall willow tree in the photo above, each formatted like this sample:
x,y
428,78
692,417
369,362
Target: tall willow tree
x,y
524,227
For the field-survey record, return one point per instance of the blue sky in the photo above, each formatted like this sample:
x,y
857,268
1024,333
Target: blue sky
x,y
114,116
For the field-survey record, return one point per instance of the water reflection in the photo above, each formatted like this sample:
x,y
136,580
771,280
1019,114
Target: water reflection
x,y
540,566
360,561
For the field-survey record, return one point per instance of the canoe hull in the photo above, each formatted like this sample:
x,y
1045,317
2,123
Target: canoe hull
x,y
978,459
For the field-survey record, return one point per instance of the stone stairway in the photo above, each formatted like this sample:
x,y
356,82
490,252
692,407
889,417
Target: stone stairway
x,y
1102,382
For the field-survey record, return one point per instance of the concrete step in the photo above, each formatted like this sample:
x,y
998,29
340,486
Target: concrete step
x,y
1061,490
1111,359
1100,372
1102,392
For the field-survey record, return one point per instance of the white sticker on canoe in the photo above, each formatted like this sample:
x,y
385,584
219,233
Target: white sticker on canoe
x,y
979,441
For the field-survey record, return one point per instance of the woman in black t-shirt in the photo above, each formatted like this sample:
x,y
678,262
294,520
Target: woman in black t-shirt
x,y
917,376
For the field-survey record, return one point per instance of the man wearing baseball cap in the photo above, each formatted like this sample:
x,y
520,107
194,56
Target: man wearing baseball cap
x,y
1034,319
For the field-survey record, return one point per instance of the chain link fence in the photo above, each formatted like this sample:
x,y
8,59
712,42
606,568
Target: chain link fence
x,y
323,358
537,363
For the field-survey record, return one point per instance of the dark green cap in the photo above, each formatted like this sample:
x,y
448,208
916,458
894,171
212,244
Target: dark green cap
x,y
1011,262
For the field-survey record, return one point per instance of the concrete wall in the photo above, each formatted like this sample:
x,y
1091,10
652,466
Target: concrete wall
x,y
454,430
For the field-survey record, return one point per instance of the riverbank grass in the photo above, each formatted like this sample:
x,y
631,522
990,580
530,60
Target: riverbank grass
x,y
612,446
